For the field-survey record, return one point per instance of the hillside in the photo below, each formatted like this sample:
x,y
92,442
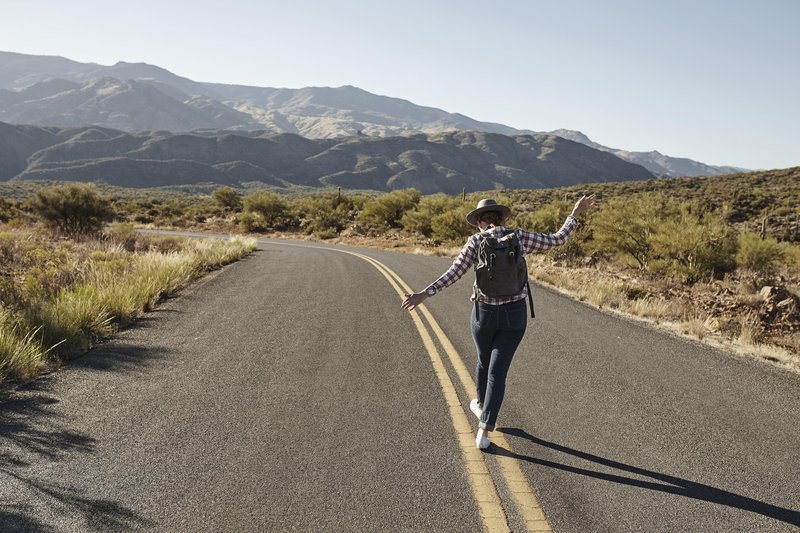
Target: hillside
x,y
654,161
55,91
447,162
754,201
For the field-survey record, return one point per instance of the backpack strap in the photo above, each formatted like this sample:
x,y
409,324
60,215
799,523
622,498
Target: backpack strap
x,y
530,298
475,293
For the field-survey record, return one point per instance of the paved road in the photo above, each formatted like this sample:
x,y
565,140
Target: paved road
x,y
289,392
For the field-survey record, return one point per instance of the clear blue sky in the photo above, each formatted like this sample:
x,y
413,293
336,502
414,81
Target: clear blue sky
x,y
713,80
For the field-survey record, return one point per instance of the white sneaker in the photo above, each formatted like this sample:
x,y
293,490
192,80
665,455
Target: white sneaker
x,y
475,408
482,439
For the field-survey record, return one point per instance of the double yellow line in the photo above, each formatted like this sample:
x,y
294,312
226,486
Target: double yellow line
x,y
484,491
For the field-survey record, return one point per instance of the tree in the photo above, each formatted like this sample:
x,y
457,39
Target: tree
x,y
627,225
72,209
264,210
228,198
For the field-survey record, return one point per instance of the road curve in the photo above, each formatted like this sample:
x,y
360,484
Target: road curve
x,y
289,392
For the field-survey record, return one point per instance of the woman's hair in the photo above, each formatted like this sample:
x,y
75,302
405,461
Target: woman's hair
x,y
493,218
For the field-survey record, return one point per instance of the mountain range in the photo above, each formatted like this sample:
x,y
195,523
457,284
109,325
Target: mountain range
x,y
443,162
135,97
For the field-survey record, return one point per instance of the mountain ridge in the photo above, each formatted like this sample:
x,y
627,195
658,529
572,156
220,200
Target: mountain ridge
x,y
141,96
446,162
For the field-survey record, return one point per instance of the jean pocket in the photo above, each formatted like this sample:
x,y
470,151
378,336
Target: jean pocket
x,y
516,319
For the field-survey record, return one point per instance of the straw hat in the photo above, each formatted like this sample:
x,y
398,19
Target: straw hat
x,y
487,204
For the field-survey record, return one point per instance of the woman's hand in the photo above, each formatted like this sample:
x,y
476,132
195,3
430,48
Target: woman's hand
x,y
583,205
413,300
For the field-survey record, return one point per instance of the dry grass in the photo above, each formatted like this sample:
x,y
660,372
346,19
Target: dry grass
x,y
602,289
21,354
751,299
441,251
111,286
653,308
751,331
602,295
695,327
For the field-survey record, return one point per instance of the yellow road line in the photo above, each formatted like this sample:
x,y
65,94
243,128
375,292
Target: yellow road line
x,y
525,500
483,488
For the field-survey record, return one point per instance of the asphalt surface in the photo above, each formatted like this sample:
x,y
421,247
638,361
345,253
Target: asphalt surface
x,y
289,392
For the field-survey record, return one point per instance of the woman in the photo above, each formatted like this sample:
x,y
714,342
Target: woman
x,y
498,324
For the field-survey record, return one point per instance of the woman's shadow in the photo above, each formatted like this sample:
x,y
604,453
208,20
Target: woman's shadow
x,y
663,483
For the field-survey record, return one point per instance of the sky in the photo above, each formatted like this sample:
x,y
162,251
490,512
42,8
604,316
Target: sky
x,y
716,81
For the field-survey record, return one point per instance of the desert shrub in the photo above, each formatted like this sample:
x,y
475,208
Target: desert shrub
x,y
386,210
761,255
690,247
124,234
72,209
47,278
546,219
420,219
264,211
228,198
549,219
791,253
164,244
452,226
196,213
573,251
325,215
8,247
5,210
627,225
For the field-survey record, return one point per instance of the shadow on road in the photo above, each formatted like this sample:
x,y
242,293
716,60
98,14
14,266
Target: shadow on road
x,y
36,432
674,485
98,514
32,429
17,518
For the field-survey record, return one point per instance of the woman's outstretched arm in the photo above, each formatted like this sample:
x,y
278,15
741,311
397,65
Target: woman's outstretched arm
x,y
539,242
459,267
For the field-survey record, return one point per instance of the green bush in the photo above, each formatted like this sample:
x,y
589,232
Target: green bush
x,y
5,210
386,210
264,211
419,220
547,219
124,234
691,248
627,225
791,254
325,215
228,198
72,209
757,254
452,226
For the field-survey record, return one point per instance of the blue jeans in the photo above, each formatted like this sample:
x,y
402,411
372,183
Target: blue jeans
x,y
497,333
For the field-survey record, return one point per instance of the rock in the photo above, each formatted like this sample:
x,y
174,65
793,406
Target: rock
x,y
767,291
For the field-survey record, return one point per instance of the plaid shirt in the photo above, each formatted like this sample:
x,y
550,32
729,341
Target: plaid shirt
x,y
530,243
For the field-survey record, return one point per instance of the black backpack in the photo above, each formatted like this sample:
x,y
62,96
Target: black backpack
x,y
500,269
